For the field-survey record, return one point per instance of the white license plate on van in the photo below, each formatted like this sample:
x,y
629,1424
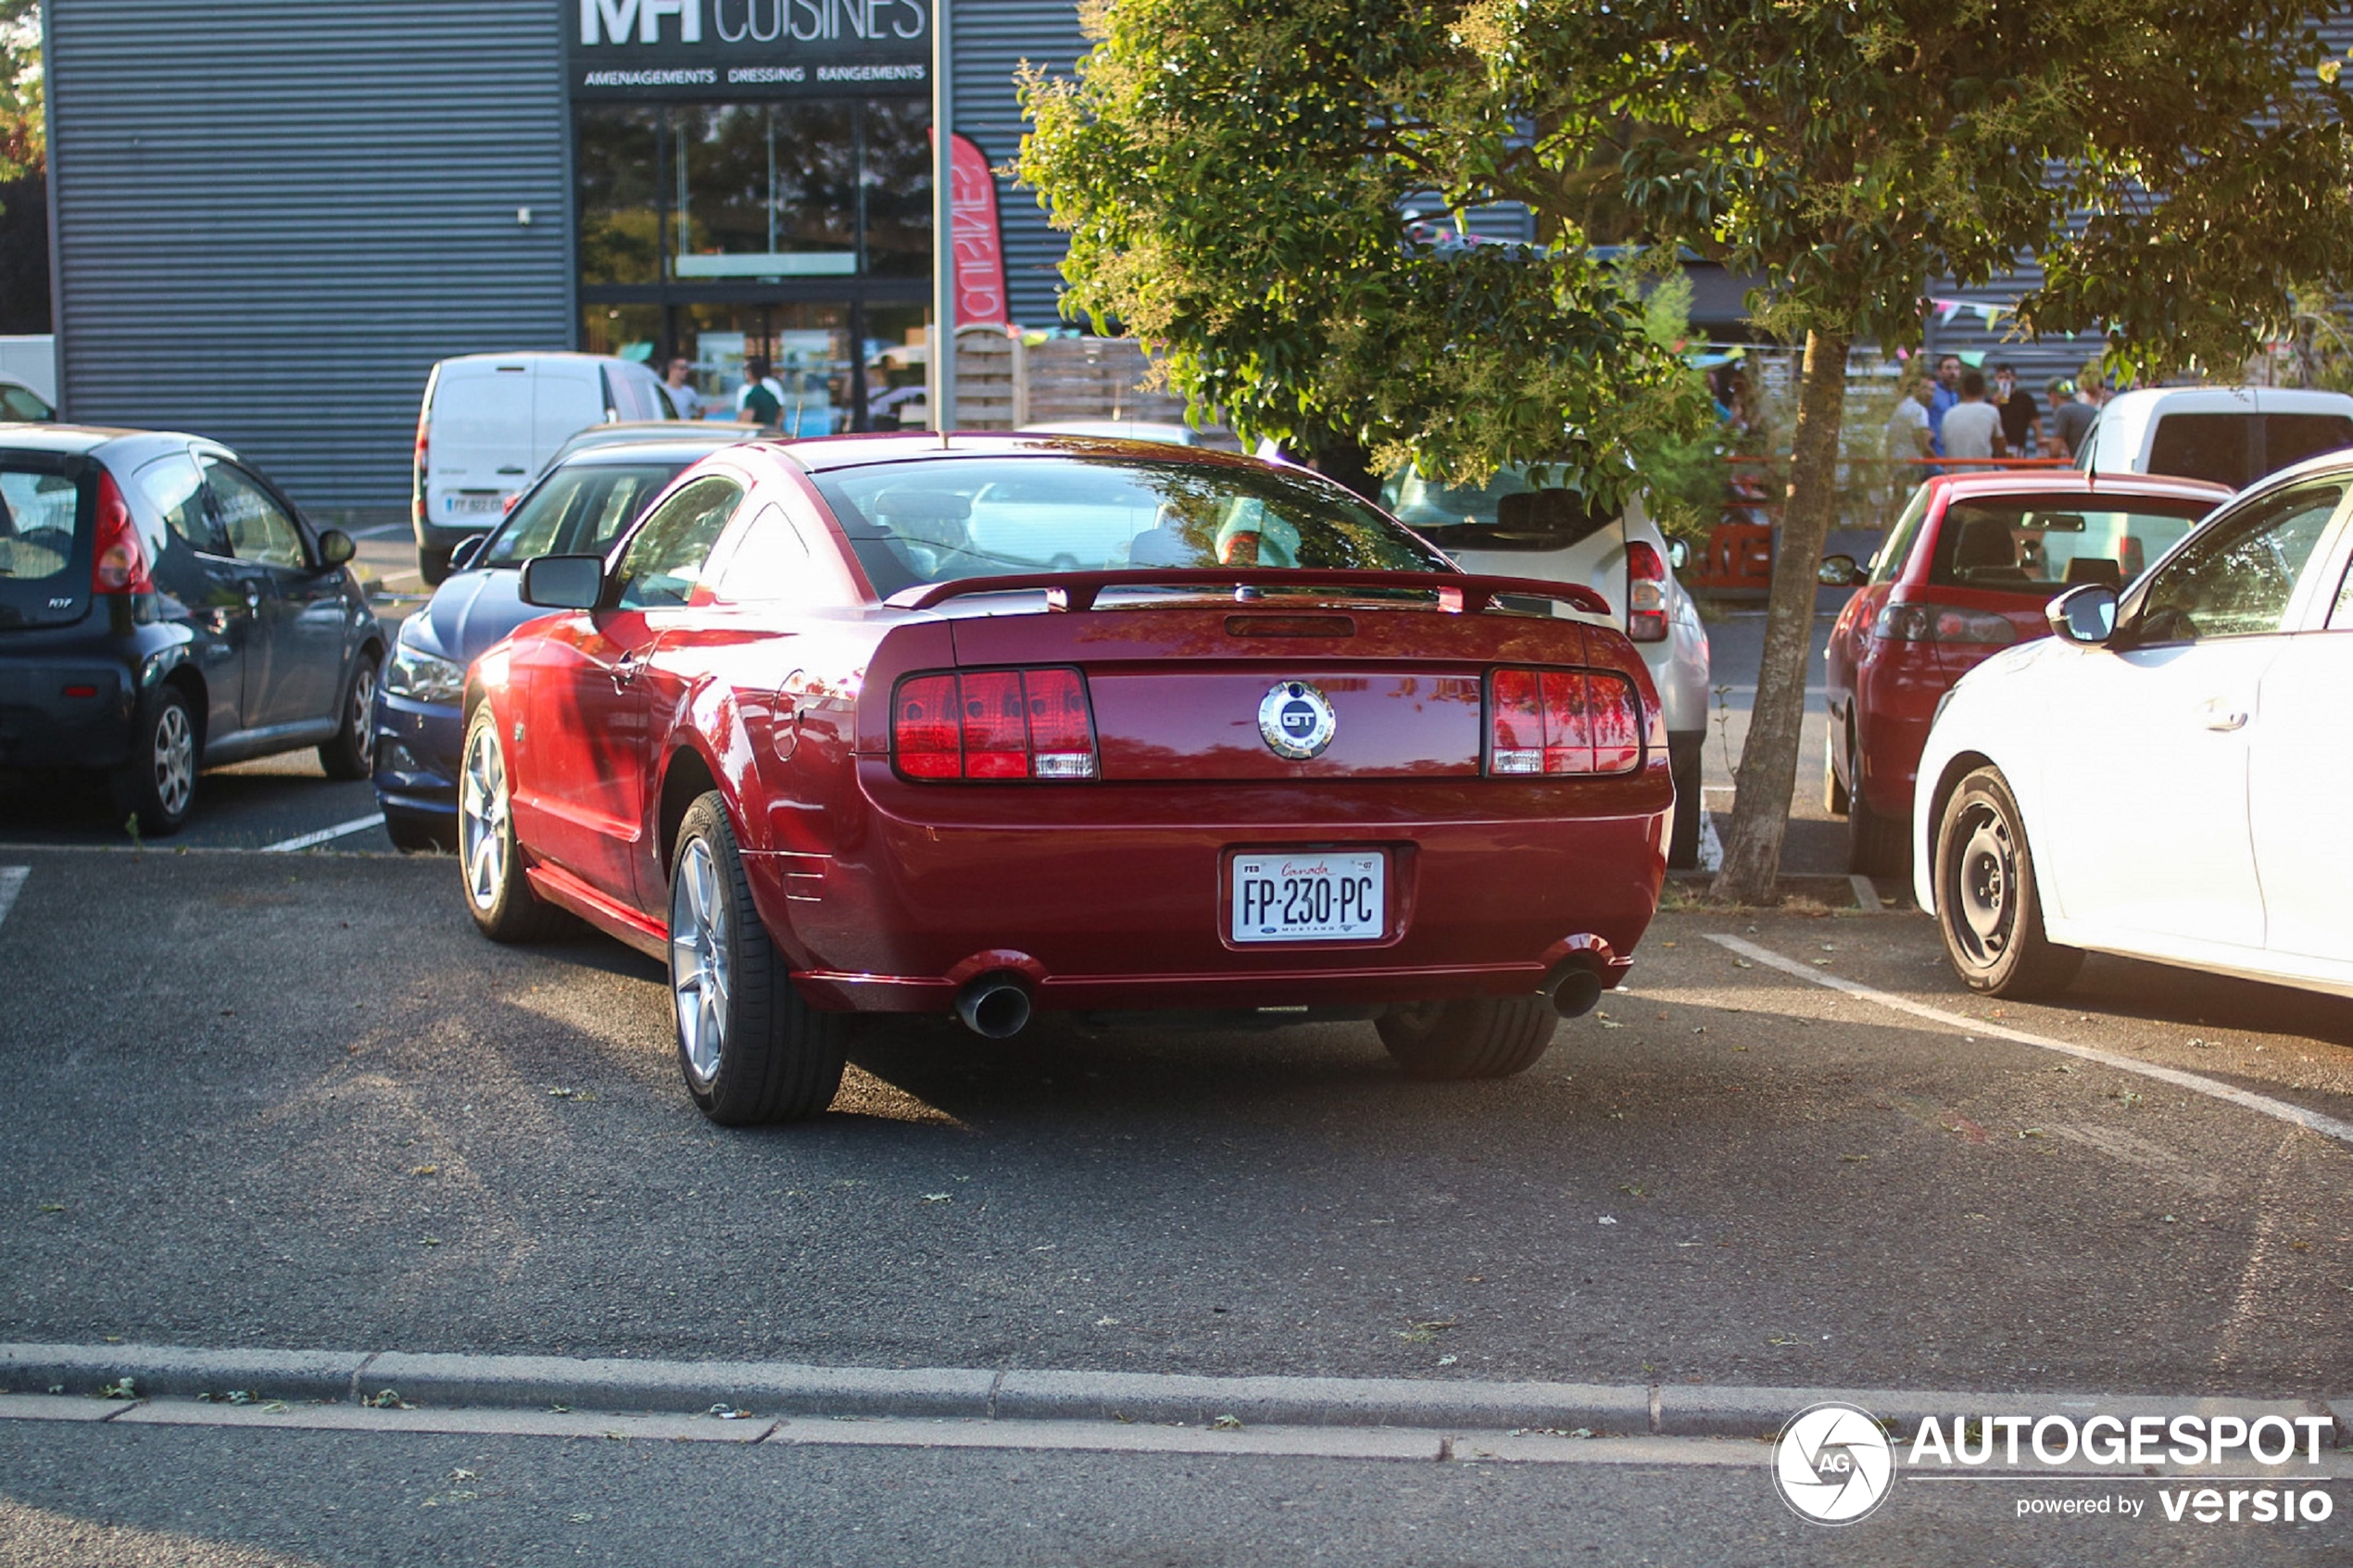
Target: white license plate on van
x,y
471,504
1336,896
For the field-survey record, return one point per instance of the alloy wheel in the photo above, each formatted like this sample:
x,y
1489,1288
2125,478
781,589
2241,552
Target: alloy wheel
x,y
481,819
698,977
175,760
362,717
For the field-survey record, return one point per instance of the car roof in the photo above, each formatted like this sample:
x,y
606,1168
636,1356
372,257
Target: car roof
x,y
535,354
678,446
821,454
2229,399
82,438
2075,481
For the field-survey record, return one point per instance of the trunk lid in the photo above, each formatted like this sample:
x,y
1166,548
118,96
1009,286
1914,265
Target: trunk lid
x,y
48,514
1199,687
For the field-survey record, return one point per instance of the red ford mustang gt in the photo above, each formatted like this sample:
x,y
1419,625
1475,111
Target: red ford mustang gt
x,y
873,724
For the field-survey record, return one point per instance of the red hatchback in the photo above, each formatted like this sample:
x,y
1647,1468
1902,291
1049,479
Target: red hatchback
x,y
875,725
1965,572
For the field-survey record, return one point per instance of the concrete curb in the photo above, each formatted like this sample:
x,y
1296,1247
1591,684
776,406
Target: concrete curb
x,y
793,1388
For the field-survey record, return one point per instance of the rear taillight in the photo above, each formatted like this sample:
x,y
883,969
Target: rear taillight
x,y
416,474
1943,623
118,565
1646,592
1556,721
993,724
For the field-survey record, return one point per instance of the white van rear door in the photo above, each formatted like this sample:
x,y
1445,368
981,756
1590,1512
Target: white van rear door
x,y
568,395
479,451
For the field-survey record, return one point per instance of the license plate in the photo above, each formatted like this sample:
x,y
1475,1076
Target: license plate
x,y
490,503
1335,896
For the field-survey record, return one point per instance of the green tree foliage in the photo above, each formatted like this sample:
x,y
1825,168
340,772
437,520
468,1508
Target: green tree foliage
x,y
1232,175
1852,151
23,136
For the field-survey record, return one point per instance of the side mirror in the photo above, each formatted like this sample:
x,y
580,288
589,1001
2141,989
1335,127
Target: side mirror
x,y
468,547
1678,553
563,581
335,546
1839,571
2086,614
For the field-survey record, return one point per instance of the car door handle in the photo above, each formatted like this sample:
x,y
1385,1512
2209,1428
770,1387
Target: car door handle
x,y
2219,715
625,670
253,593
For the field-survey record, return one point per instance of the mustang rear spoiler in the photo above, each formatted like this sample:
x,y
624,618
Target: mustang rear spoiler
x,y
1460,592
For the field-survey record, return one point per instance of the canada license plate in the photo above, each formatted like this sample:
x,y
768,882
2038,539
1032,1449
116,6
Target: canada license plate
x,y
1335,896
490,503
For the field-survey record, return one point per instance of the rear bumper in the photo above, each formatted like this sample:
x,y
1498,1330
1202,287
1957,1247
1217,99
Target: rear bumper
x,y
1116,898
47,722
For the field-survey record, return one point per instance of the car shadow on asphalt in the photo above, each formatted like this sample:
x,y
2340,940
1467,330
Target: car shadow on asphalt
x,y
2191,998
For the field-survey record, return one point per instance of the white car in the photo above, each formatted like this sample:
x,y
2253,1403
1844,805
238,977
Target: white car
x,y
1511,527
2230,435
2163,778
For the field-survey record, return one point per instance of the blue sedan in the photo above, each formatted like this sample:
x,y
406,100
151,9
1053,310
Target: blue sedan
x,y
579,506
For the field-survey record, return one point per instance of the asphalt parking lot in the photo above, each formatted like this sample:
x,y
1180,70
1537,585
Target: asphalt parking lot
x,y
294,1101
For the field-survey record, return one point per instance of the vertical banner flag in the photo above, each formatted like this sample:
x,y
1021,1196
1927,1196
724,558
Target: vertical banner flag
x,y
978,243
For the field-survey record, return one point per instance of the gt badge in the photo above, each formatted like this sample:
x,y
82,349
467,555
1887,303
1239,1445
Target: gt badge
x,y
1297,721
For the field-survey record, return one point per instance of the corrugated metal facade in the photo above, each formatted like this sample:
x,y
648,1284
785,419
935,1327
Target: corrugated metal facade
x,y
274,216
992,38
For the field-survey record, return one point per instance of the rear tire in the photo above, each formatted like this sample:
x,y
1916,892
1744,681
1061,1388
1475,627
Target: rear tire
x,y
749,1048
1876,846
489,860
158,785
1489,1038
1682,839
352,754
1989,905
1834,794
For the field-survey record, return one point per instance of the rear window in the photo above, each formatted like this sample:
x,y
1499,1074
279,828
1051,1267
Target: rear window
x,y
917,523
43,513
2237,449
580,510
1508,512
2038,546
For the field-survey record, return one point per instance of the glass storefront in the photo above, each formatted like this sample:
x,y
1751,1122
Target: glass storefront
x,y
794,234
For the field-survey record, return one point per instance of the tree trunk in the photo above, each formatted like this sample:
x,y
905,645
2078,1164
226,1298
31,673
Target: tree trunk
x,y
1768,761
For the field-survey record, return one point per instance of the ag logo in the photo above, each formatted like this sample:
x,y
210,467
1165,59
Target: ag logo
x,y
1297,721
1834,1464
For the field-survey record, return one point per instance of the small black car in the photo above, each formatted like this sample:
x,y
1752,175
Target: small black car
x,y
165,608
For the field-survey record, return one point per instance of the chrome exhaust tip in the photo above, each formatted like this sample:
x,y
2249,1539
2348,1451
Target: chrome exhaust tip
x,y
995,1007
1575,989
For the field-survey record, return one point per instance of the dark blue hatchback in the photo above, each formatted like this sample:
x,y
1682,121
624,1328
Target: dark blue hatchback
x,y
578,507
165,608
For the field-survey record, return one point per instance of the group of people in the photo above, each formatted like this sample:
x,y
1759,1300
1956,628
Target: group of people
x,y
761,400
1957,413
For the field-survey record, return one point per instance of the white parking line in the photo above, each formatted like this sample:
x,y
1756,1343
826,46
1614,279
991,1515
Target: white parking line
x,y
2311,1121
357,824
12,883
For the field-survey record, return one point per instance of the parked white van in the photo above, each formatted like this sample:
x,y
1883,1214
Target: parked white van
x,y
490,422
2230,435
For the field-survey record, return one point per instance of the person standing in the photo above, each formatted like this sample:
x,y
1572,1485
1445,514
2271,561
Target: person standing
x,y
1972,426
1907,436
2021,414
680,386
2072,420
760,403
1941,396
